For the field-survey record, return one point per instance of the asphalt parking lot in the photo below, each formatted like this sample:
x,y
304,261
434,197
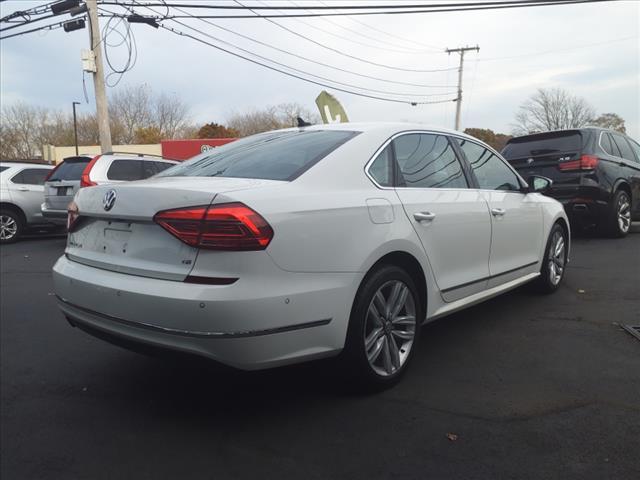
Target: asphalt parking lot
x,y
530,387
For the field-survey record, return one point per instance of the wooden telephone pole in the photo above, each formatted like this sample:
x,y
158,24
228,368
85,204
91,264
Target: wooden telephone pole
x,y
461,51
102,109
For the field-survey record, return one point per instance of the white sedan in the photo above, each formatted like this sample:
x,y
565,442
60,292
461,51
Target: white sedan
x,y
306,243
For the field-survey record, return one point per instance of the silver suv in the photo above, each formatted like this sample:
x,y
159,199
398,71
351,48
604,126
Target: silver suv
x,y
21,192
83,171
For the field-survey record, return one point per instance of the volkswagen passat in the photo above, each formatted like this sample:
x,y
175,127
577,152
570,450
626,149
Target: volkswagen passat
x,y
307,243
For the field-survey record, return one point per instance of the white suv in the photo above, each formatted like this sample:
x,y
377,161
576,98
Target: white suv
x,y
21,193
125,167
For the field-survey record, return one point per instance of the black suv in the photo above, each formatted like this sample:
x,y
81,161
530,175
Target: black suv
x,y
595,173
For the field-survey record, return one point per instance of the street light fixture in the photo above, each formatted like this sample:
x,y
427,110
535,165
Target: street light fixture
x,y
75,125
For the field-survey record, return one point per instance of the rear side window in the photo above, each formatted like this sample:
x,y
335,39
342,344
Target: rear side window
x,y
492,173
126,170
546,144
381,170
624,147
2,169
31,176
162,166
427,161
281,155
70,169
605,143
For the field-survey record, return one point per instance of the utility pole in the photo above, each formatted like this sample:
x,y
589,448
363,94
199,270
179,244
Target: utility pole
x,y
102,109
461,51
75,125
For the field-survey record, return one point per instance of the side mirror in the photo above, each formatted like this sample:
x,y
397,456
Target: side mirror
x,y
538,183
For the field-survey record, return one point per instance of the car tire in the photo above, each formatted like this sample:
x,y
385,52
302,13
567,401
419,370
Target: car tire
x,y
618,221
383,333
554,261
11,225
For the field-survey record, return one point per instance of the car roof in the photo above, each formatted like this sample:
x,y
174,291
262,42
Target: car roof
x,y
136,156
24,164
390,127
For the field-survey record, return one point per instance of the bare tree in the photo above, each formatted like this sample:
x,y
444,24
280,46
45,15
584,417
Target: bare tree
x,y
269,118
552,109
131,108
170,115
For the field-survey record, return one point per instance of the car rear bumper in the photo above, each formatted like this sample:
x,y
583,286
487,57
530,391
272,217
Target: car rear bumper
x,y
59,217
583,204
298,317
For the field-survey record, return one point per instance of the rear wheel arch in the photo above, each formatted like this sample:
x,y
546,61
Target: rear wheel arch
x,y
15,208
411,265
624,186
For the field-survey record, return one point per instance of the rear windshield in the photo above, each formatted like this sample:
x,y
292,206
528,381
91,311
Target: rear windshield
x,y
281,155
70,169
546,144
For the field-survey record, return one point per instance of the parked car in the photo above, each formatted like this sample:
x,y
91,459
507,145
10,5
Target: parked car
x,y
60,186
76,172
306,243
21,190
122,167
595,173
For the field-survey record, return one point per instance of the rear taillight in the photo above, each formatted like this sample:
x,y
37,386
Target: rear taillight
x,y
72,216
226,226
85,179
50,174
586,162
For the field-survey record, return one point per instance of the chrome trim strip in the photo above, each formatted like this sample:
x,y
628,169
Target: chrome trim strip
x,y
190,333
490,277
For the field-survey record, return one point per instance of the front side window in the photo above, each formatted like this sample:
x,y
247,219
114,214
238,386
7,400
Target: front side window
x,y
624,147
280,155
636,148
492,173
427,161
126,170
31,176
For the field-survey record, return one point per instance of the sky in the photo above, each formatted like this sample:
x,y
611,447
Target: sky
x,y
591,50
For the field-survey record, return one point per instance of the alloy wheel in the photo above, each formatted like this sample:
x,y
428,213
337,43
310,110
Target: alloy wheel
x,y
390,328
624,214
8,227
557,257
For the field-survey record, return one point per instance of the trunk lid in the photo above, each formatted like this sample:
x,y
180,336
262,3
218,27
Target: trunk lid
x,y
124,237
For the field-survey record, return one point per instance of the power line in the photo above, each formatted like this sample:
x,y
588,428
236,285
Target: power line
x,y
384,46
340,52
557,50
426,9
51,26
302,72
26,22
357,32
307,59
374,7
270,67
375,29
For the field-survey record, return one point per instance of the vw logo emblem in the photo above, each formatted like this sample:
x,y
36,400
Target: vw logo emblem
x,y
529,161
109,200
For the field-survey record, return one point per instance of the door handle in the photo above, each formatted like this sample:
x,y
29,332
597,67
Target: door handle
x,y
498,212
23,189
424,216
